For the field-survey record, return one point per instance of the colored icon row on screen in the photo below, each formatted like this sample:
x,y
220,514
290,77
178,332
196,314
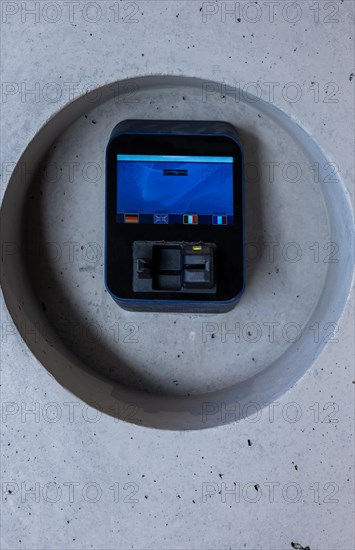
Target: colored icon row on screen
x,y
131,218
161,218
219,220
188,219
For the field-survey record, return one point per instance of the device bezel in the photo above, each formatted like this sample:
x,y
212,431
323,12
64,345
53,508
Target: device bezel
x,y
120,237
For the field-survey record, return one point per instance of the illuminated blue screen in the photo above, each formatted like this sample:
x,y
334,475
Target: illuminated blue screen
x,y
174,189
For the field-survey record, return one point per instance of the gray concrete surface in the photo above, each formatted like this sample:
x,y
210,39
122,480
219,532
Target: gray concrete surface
x,y
74,477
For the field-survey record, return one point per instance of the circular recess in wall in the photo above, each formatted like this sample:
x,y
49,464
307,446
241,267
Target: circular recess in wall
x,y
176,371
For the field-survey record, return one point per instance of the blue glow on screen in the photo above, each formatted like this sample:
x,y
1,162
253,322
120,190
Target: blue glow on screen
x,y
149,184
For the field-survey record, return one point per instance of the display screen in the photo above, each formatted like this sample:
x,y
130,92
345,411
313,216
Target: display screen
x,y
163,189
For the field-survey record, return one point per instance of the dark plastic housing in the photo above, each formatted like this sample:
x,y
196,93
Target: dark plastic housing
x,y
174,268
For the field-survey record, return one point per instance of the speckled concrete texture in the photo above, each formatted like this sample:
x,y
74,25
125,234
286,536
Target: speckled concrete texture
x,y
74,477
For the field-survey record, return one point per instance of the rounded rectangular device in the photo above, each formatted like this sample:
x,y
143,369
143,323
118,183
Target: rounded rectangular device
x,y
174,216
